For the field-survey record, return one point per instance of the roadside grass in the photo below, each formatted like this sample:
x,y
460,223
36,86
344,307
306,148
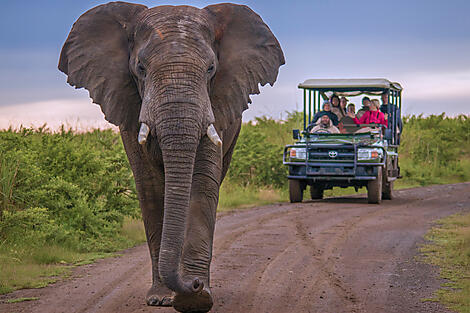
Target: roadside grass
x,y
133,230
23,299
36,267
233,196
16,274
449,249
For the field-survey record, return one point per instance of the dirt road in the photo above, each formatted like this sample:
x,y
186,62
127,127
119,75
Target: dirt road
x,y
335,255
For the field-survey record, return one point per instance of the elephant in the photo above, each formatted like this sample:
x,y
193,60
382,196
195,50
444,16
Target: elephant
x,y
175,80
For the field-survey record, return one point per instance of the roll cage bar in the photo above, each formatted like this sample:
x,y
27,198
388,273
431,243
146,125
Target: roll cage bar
x,y
315,89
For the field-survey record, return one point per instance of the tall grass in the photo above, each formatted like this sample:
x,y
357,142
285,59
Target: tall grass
x,y
435,149
8,172
450,250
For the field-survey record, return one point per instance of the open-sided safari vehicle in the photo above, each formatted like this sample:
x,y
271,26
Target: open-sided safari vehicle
x,y
358,156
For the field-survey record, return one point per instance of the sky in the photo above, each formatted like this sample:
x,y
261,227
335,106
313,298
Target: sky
x,y
424,45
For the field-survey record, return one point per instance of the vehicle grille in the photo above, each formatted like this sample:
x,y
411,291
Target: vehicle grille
x,y
326,154
331,160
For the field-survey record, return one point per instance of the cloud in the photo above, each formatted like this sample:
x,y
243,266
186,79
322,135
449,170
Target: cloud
x,y
439,85
77,114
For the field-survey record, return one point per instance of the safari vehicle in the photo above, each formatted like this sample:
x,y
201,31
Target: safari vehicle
x,y
357,156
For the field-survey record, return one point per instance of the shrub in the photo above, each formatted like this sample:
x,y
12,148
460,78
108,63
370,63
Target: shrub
x,y
82,180
435,149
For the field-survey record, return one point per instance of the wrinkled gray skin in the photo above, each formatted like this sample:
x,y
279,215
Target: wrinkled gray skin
x,y
177,69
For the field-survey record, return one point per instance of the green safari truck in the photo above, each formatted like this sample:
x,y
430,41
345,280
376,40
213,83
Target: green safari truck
x,y
360,155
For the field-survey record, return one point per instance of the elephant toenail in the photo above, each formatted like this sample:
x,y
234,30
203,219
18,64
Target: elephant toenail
x,y
152,302
166,301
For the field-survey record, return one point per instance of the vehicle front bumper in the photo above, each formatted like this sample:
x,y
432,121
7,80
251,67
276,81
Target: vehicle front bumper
x,y
328,172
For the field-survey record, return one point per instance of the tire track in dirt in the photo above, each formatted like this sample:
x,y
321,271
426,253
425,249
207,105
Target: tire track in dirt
x,y
247,253
326,258
270,275
100,300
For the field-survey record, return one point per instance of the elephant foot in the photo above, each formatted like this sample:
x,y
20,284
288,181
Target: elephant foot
x,y
159,296
196,303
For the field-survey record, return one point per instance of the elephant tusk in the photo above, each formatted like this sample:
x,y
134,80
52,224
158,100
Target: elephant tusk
x,y
143,133
213,136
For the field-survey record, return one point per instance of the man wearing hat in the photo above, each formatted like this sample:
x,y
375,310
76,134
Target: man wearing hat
x,y
326,111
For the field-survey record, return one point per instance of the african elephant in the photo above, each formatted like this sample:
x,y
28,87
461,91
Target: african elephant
x,y
175,79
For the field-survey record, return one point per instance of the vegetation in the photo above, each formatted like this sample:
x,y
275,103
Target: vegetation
x,y
435,150
64,198
68,198
450,250
23,299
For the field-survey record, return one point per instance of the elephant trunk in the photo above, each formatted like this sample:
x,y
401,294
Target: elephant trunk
x,y
179,153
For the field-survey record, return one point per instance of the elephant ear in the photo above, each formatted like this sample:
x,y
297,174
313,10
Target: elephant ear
x,y
248,55
96,56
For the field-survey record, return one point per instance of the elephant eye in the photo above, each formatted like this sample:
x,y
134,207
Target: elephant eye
x,y
210,69
141,68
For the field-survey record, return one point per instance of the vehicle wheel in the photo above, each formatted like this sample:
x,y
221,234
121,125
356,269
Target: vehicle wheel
x,y
316,192
295,191
374,188
387,191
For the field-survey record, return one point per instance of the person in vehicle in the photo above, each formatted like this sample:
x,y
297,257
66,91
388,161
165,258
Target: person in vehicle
x,y
365,107
384,108
351,110
325,125
343,103
334,100
347,124
373,116
336,107
326,111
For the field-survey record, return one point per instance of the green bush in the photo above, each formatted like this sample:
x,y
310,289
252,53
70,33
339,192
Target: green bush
x,y
256,161
35,226
82,180
435,149
257,158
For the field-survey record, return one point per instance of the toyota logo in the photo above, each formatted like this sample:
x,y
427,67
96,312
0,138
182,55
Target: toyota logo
x,y
333,154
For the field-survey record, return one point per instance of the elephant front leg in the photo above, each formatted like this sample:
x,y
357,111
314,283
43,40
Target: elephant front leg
x,y
152,214
149,179
197,253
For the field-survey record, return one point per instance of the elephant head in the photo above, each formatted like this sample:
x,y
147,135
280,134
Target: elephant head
x,y
177,73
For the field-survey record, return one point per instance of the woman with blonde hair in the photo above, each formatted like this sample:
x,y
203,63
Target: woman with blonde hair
x,y
373,116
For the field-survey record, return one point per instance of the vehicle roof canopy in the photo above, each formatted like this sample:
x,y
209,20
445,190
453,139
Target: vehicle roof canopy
x,y
352,86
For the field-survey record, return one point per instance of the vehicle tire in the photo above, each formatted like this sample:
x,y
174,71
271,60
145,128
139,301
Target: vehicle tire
x,y
387,187
296,192
387,190
316,192
374,188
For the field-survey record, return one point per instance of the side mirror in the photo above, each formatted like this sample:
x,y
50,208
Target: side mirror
x,y
388,134
296,134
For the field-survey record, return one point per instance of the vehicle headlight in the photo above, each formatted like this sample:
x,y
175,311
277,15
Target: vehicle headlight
x,y
369,154
298,153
